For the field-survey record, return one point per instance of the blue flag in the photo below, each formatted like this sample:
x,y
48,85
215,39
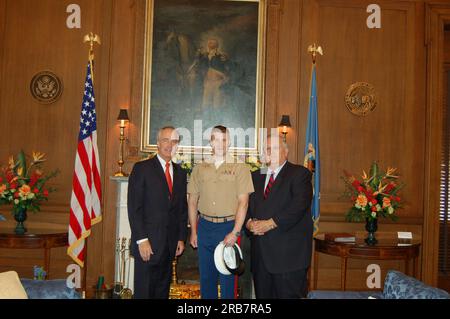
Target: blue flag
x,y
312,158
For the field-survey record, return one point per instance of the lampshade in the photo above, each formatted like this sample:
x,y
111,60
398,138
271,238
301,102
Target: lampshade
x,y
123,115
285,121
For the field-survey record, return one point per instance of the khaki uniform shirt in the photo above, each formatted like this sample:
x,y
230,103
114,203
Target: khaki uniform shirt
x,y
218,189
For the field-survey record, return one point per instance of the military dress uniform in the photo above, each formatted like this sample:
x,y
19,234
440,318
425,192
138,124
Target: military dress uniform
x,y
218,190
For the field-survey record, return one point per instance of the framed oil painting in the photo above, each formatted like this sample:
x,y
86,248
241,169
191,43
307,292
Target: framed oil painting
x,y
204,66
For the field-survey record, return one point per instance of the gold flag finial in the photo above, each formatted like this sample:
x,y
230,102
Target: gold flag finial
x,y
314,49
91,38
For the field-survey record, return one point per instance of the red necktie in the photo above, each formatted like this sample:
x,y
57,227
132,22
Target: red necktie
x,y
168,178
269,186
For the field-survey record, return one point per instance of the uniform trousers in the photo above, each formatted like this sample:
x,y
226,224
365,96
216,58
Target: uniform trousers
x,y
209,236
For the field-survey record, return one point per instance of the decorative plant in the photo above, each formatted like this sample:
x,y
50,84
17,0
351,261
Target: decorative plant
x,y
253,162
374,195
24,186
185,161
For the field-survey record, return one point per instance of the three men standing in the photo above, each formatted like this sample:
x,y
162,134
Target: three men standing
x,y
278,219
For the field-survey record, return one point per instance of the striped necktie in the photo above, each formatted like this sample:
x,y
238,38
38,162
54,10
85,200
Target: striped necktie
x,y
168,177
269,186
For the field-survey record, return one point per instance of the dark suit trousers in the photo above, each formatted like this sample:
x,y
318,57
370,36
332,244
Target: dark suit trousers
x,y
291,285
152,281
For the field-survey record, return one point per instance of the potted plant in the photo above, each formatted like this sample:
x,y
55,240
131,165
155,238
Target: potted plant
x,y
24,187
374,195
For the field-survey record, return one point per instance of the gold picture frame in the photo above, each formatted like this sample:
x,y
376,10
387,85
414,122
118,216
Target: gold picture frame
x,y
181,76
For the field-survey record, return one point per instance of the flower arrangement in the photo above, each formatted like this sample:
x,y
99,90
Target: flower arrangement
x,y
24,186
185,162
253,162
373,196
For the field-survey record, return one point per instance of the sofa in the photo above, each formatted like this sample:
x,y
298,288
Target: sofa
x,y
48,289
396,286
13,287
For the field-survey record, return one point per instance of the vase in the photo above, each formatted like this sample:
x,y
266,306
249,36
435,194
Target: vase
x,y
371,227
20,216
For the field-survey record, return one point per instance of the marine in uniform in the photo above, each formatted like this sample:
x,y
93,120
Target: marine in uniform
x,y
218,190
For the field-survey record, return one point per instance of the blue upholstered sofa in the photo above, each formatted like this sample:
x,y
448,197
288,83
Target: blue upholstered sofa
x,y
48,289
396,286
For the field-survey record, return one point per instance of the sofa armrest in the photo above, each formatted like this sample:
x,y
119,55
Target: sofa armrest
x,y
400,286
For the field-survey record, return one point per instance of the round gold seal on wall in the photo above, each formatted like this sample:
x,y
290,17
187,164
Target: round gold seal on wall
x,y
361,98
46,87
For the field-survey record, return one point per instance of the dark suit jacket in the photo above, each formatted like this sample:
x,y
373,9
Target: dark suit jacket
x,y
151,211
289,246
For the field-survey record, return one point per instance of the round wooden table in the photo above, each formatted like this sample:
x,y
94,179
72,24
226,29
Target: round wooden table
x,y
34,239
387,249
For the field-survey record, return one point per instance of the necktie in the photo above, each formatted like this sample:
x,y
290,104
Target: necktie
x,y
168,178
269,186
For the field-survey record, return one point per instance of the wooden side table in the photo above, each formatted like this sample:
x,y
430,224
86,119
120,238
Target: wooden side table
x,y
384,250
34,239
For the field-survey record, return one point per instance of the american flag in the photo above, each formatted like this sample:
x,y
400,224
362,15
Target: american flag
x,y
85,205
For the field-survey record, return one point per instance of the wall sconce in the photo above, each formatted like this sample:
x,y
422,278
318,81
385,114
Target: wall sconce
x,y
285,123
123,118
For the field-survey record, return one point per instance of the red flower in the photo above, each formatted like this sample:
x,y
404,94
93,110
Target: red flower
x,y
1,179
36,190
33,180
45,193
374,208
360,189
9,176
356,183
374,201
13,186
16,195
389,187
398,199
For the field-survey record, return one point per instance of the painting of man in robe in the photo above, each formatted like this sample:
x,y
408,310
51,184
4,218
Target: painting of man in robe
x,y
204,65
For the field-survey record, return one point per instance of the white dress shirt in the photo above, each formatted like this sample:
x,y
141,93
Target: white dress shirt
x,y
275,174
163,164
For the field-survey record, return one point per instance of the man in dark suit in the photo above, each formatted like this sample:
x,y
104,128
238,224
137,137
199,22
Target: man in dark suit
x,y
157,211
280,225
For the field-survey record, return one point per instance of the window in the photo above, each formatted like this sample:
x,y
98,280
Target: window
x,y
444,216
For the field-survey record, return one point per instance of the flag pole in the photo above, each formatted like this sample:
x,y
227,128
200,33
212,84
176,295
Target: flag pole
x,y
92,39
313,50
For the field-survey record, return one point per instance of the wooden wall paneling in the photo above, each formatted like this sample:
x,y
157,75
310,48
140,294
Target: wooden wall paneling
x,y
348,141
436,15
3,22
96,261
36,38
391,59
288,70
135,110
274,12
119,91
447,46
